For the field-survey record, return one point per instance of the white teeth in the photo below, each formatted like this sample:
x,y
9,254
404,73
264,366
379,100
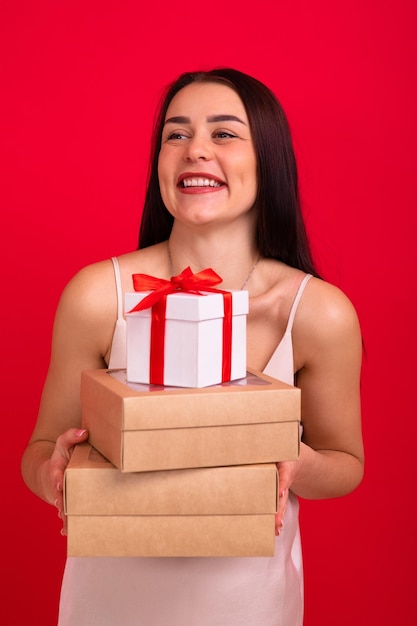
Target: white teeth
x,y
200,182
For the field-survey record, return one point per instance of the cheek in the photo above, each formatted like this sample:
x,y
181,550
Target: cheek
x,y
249,176
162,177
247,166
165,195
160,169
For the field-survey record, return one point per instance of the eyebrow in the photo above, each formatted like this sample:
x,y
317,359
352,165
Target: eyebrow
x,y
181,119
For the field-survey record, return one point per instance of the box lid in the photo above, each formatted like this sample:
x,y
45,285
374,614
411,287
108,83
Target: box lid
x,y
191,307
93,486
257,398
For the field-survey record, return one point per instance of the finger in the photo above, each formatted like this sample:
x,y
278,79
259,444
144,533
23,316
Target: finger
x,y
285,473
62,453
280,514
56,477
59,460
64,524
69,439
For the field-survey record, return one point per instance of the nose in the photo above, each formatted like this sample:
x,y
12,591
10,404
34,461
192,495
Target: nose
x,y
198,148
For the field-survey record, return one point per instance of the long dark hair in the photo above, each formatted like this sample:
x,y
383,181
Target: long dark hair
x,y
280,232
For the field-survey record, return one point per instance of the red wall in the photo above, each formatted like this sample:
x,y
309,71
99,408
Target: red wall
x,y
80,81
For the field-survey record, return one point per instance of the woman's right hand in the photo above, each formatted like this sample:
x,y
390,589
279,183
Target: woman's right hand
x,y
58,463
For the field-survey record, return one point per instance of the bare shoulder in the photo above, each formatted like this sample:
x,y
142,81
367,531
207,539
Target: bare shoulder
x,y
91,289
324,300
325,320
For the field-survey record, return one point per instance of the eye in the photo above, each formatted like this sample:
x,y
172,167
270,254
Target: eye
x,y
176,135
223,134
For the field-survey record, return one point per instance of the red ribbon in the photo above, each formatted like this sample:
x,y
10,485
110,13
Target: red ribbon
x,y
161,288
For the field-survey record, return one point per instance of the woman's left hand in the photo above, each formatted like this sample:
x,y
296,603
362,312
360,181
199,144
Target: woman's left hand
x,y
286,474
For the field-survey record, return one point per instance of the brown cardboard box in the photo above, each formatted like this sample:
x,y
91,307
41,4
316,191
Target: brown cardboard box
x,y
147,427
222,511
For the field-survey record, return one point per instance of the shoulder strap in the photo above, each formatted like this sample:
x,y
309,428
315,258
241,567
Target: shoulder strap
x,y
118,349
296,302
119,292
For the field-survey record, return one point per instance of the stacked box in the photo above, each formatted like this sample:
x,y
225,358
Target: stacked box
x,y
149,428
222,511
193,339
185,467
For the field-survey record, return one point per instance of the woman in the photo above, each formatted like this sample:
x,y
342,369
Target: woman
x,y
222,193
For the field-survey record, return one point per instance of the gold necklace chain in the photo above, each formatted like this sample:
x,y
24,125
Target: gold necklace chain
x,y
245,282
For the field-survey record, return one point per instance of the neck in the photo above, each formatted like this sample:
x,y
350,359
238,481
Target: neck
x,y
232,257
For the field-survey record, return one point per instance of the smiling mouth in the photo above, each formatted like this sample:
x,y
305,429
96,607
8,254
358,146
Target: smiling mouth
x,y
199,182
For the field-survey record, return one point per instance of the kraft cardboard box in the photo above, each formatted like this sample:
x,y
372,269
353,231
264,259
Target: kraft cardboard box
x,y
148,427
193,339
224,511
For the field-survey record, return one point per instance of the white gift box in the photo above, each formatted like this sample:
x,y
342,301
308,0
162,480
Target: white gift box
x,y
193,352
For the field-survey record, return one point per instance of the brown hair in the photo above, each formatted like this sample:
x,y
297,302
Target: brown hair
x,y
280,230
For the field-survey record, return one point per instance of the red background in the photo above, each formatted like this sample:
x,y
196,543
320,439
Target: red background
x,y
80,82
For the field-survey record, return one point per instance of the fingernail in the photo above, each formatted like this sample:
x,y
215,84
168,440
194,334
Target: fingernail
x,y
283,492
56,502
81,432
59,486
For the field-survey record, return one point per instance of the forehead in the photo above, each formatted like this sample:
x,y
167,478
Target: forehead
x,y
206,99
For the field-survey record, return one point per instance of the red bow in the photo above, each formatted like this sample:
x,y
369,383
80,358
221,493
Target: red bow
x,y
186,281
161,288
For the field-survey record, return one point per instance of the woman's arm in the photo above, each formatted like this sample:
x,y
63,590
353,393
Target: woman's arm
x,y
328,353
82,334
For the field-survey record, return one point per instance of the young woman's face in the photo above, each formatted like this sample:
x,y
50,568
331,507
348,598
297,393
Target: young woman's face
x,y
207,162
